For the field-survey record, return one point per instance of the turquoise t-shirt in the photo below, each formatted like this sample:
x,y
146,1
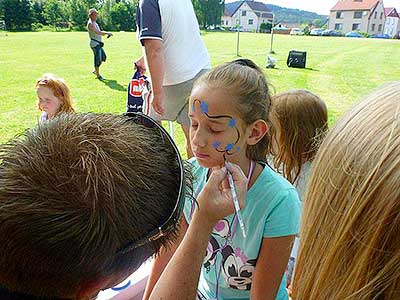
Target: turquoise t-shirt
x,y
272,210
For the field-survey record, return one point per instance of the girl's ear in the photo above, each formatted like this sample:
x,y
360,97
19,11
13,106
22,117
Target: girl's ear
x,y
257,131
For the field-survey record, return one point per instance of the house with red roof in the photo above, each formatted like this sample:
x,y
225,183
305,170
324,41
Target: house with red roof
x,y
247,14
392,24
358,15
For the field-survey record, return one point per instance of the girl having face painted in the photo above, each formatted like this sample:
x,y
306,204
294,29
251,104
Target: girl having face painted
x,y
228,110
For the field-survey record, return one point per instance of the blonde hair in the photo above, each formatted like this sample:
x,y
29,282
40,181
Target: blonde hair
x,y
60,90
350,248
247,84
302,118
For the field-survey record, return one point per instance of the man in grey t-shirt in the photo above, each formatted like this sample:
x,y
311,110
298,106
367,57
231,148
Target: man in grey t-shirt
x,y
96,43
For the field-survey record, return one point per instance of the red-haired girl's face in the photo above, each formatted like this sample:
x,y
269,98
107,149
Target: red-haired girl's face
x,y
47,101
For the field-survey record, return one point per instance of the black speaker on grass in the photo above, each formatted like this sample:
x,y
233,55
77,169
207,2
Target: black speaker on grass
x,y
296,59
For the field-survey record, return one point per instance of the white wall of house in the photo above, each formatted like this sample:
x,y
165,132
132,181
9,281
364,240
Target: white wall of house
x,y
392,26
227,21
246,18
363,21
346,21
377,20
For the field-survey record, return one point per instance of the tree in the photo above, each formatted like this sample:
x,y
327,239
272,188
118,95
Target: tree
x,y
53,12
17,14
265,27
209,12
37,9
78,13
318,23
123,15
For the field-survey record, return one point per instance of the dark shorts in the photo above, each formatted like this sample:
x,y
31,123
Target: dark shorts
x,y
99,55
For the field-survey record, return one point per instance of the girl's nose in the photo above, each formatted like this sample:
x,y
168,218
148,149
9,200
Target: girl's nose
x,y
198,138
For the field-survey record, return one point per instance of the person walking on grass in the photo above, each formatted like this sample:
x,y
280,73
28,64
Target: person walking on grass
x,y
95,35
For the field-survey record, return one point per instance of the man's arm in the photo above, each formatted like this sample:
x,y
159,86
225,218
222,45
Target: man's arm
x,y
154,50
99,32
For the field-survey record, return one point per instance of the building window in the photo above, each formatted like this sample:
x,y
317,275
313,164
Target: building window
x,y
243,13
357,14
237,21
338,26
339,15
376,14
226,22
381,15
250,21
373,27
356,26
380,27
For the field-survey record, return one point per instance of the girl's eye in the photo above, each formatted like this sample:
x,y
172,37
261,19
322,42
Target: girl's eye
x,y
215,130
194,125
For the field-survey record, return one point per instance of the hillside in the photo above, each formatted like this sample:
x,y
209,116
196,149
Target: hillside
x,y
295,16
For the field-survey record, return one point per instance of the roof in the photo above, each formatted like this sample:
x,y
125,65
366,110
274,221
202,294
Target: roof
x,y
391,12
254,5
232,7
355,5
264,15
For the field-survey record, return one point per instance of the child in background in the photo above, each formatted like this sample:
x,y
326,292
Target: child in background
x,y
350,245
228,110
53,96
299,119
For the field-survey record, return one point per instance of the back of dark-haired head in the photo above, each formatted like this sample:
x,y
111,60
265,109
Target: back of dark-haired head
x,y
75,190
247,85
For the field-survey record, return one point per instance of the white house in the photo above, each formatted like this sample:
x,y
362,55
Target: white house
x,y
247,14
392,24
358,15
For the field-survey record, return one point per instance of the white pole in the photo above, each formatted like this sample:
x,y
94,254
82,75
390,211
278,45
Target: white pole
x,y
171,129
272,34
238,30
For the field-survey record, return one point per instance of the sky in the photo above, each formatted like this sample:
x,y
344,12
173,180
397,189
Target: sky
x,y
319,6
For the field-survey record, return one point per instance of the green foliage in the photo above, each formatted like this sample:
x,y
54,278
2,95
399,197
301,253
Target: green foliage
x,y
318,23
54,12
37,9
307,30
265,27
104,18
78,13
209,12
28,14
17,14
123,14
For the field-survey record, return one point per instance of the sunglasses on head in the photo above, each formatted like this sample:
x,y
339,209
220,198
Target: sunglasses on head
x,y
173,220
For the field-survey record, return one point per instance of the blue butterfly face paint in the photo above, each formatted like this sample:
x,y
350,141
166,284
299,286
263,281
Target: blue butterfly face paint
x,y
228,149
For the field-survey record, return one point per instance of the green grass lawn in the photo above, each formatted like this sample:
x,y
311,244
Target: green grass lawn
x,y
341,70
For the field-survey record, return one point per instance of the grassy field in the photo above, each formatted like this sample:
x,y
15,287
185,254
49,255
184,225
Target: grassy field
x,y
340,70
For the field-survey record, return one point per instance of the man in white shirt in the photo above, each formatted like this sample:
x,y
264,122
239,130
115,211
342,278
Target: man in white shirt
x,y
175,55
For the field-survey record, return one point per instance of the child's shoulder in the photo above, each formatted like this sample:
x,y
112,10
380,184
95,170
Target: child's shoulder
x,y
274,187
273,179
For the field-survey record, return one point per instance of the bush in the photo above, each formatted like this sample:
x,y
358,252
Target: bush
x,y
265,27
37,26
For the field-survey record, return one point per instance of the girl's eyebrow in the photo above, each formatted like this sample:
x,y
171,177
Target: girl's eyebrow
x,y
214,121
